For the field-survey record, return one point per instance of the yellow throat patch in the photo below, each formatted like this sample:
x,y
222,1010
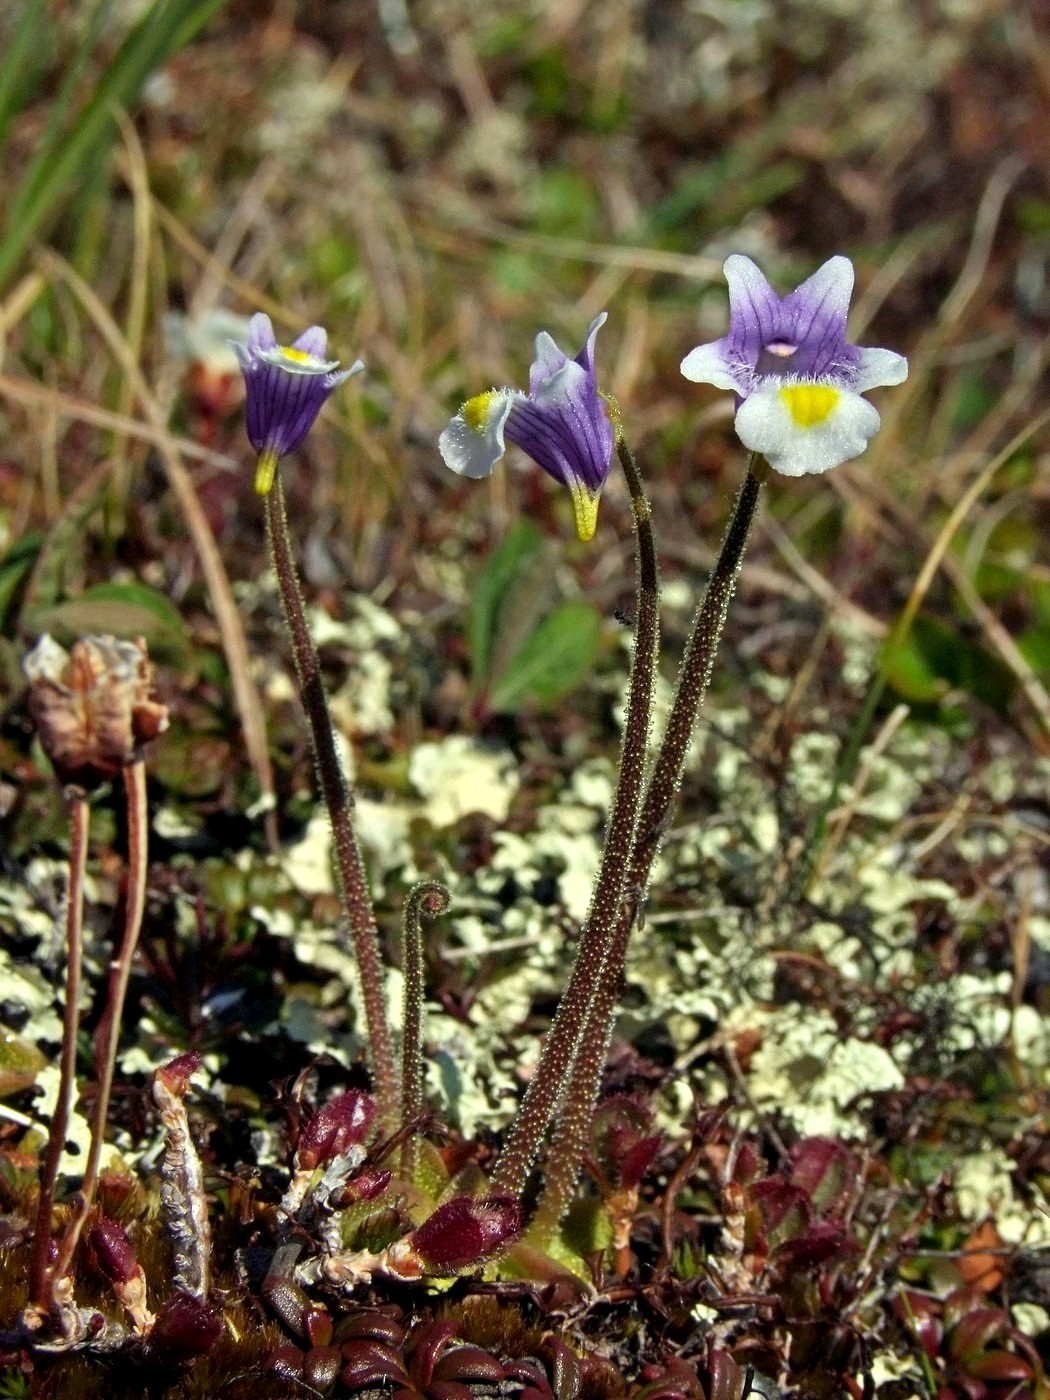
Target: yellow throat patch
x,y
810,404
476,410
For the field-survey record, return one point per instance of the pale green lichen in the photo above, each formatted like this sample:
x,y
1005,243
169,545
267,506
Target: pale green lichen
x,y
806,1072
457,776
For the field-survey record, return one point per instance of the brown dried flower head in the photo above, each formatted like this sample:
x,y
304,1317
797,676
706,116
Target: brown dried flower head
x,y
92,706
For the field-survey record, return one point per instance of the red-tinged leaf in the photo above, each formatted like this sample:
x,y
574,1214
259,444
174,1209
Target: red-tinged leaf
x,y
527,1370
821,1242
287,1363
566,1375
449,1390
825,1170
370,1364
465,1230
638,1159
321,1367
185,1328
289,1302
317,1323
727,1379
365,1186
468,1363
378,1324
1001,1366
971,1334
428,1343
786,1210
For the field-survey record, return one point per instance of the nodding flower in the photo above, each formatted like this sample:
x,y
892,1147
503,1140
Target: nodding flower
x,y
564,423
285,387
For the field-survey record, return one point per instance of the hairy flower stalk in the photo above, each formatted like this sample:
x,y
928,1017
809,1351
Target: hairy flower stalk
x,y
286,387
40,1276
94,710
353,883
657,812
428,899
599,955
109,1029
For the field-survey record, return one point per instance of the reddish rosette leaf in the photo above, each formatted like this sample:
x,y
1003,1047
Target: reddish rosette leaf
x,y
428,1343
465,1230
343,1122
825,1170
727,1379
321,1367
113,1252
186,1328
449,1390
467,1364
317,1323
822,1241
674,1380
367,1364
376,1324
290,1303
287,1363
532,1377
786,1210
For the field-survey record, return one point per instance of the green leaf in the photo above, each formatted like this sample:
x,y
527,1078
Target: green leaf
x,y
552,661
15,568
935,659
122,610
521,544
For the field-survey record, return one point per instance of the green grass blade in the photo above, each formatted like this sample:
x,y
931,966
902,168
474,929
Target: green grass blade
x,y
17,62
61,160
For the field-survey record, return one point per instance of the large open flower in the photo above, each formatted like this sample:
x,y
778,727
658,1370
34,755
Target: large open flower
x,y
565,425
285,387
797,380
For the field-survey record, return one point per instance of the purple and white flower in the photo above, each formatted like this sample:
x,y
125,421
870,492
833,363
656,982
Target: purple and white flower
x,y
797,380
285,387
564,423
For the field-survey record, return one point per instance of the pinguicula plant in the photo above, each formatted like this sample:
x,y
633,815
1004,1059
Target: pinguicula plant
x,y
359,1202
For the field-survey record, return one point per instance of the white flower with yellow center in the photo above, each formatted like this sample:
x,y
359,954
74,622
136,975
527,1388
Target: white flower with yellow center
x,y
797,380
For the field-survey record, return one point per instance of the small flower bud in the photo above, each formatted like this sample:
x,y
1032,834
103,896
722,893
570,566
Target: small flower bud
x,y
465,1230
186,1328
113,1251
343,1122
365,1186
176,1074
92,706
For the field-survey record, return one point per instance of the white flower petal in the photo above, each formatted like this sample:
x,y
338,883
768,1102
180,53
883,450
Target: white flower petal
x,y
472,443
707,364
876,368
806,428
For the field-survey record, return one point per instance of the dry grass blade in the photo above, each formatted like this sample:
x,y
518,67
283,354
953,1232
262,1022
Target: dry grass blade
x,y
235,645
69,406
